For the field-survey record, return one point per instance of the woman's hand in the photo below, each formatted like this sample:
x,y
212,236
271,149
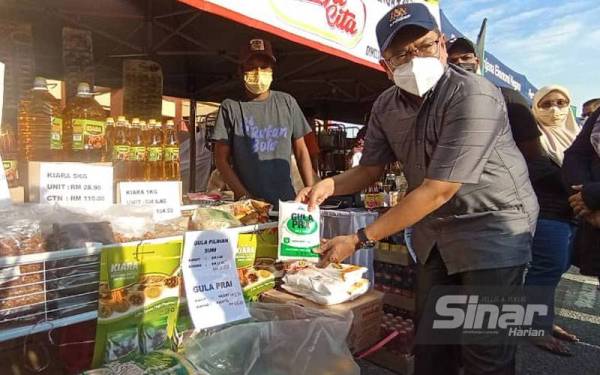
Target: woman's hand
x,y
577,203
593,219
337,249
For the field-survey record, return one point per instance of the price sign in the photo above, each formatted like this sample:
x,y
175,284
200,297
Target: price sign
x,y
76,184
164,196
212,286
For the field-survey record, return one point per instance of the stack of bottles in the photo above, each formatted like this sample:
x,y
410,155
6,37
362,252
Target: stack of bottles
x,y
394,278
81,132
404,342
143,151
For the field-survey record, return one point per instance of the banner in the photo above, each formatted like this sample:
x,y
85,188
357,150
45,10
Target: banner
x,y
494,70
344,28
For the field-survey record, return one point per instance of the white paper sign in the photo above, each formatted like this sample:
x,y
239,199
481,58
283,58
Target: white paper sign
x,y
164,196
212,287
5,200
76,184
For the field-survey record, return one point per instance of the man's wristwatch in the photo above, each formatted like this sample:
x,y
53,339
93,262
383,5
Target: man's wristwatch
x,y
363,240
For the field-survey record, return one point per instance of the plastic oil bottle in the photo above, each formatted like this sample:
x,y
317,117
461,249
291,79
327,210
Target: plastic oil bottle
x,y
137,153
146,131
84,132
108,139
9,153
120,151
40,124
155,166
171,147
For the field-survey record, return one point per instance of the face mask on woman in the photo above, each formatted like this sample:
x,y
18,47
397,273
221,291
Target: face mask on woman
x,y
553,116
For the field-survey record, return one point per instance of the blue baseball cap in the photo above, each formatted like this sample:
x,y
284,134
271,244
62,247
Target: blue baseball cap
x,y
413,14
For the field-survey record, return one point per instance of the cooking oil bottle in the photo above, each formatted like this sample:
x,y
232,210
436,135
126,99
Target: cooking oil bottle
x,y
108,139
155,166
40,124
120,149
9,153
84,132
171,147
146,131
137,153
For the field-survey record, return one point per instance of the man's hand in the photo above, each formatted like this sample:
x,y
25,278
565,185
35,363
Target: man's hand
x,y
317,194
337,249
577,203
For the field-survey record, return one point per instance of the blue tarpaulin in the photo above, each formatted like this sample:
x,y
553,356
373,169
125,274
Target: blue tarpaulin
x,y
495,70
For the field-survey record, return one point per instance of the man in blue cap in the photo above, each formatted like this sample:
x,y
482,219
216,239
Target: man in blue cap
x,y
470,201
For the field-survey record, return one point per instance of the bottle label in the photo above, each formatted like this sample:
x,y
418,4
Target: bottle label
x,y
56,134
11,171
120,152
172,153
88,134
137,153
155,153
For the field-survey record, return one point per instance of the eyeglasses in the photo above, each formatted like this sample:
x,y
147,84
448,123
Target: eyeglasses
x,y
428,49
560,103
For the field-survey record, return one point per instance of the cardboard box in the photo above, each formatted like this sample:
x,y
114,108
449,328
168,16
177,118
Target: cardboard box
x,y
399,363
367,311
17,194
394,254
400,301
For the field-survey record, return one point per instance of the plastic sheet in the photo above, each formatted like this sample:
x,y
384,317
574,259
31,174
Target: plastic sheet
x,y
278,340
343,222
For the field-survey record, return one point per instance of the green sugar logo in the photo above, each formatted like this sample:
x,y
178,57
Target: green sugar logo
x,y
302,224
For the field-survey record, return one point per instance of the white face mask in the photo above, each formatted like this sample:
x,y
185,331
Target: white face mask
x,y
553,116
419,75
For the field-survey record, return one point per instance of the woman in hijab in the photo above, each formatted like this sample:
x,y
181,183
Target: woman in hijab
x,y
551,244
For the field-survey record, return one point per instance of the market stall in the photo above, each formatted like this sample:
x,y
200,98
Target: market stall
x,y
105,265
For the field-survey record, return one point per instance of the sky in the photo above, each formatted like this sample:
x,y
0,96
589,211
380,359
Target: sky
x,y
549,41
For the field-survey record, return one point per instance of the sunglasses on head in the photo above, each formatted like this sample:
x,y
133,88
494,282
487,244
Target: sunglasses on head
x,y
560,103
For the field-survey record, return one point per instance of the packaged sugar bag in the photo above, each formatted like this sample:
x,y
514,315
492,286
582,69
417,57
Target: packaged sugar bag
x,y
299,232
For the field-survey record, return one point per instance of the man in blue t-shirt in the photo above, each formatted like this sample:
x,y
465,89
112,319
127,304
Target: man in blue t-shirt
x,y
255,135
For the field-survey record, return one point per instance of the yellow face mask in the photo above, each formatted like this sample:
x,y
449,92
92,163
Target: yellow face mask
x,y
258,81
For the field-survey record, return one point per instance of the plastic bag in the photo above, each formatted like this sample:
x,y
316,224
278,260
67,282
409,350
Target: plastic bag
x,y
22,294
334,284
248,212
299,233
210,218
279,340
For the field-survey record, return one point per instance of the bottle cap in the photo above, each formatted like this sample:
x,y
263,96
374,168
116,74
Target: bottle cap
x,y
84,89
170,123
121,118
40,83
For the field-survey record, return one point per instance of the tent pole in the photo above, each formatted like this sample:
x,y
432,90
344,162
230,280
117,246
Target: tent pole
x,y
192,130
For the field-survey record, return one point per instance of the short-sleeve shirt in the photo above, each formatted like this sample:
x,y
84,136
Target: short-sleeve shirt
x,y
260,134
460,133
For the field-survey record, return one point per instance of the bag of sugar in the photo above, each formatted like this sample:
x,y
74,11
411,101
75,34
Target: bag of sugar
x,y
299,232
